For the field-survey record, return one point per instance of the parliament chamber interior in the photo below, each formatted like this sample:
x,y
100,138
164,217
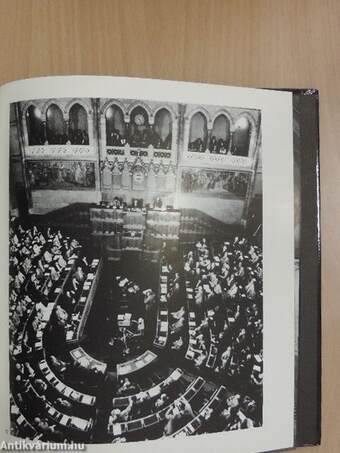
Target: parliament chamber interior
x,y
135,274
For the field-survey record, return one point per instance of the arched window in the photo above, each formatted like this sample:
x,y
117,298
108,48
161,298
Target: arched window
x,y
220,135
35,126
139,133
78,127
162,129
115,126
55,126
241,137
198,133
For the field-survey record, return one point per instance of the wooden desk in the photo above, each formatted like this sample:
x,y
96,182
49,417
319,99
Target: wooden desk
x,y
260,43
162,327
136,364
145,422
85,360
213,403
82,309
152,392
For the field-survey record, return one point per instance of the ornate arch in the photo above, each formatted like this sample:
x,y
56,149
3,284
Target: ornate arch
x,y
110,103
222,112
164,107
28,105
48,103
79,101
202,110
249,117
25,121
142,104
253,130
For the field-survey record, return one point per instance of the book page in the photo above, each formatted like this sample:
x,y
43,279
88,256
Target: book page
x,y
162,213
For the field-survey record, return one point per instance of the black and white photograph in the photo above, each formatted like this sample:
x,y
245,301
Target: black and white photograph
x,y
135,269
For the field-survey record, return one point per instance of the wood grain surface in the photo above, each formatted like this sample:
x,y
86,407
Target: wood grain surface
x,y
258,43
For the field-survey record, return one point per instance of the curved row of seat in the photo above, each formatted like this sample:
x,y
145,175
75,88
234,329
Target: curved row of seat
x,y
152,392
34,385
75,329
214,402
118,429
79,420
162,326
20,422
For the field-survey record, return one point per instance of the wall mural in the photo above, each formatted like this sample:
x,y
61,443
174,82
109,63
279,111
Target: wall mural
x,y
64,175
217,183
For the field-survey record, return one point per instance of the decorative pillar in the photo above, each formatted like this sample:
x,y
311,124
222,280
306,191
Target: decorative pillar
x,y
23,142
209,134
94,140
186,134
253,138
231,137
127,127
102,122
257,139
67,129
90,124
24,128
151,130
44,122
174,129
180,137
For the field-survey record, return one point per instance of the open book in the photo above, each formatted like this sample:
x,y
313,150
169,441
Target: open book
x,y
164,265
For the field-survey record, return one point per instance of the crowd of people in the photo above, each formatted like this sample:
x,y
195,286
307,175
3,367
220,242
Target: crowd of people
x,y
36,262
198,145
227,282
214,146
139,138
78,137
226,279
238,412
217,146
74,137
141,403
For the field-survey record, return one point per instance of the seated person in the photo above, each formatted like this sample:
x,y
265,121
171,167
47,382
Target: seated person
x,y
64,405
142,406
161,402
178,415
157,204
48,257
58,364
54,274
127,388
79,274
178,344
120,415
40,386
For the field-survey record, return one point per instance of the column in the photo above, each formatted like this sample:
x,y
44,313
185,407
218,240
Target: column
x,y
91,128
174,132
44,122
210,128
231,135
256,144
24,129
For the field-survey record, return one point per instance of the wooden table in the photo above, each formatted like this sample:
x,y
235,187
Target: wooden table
x,y
136,364
260,43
